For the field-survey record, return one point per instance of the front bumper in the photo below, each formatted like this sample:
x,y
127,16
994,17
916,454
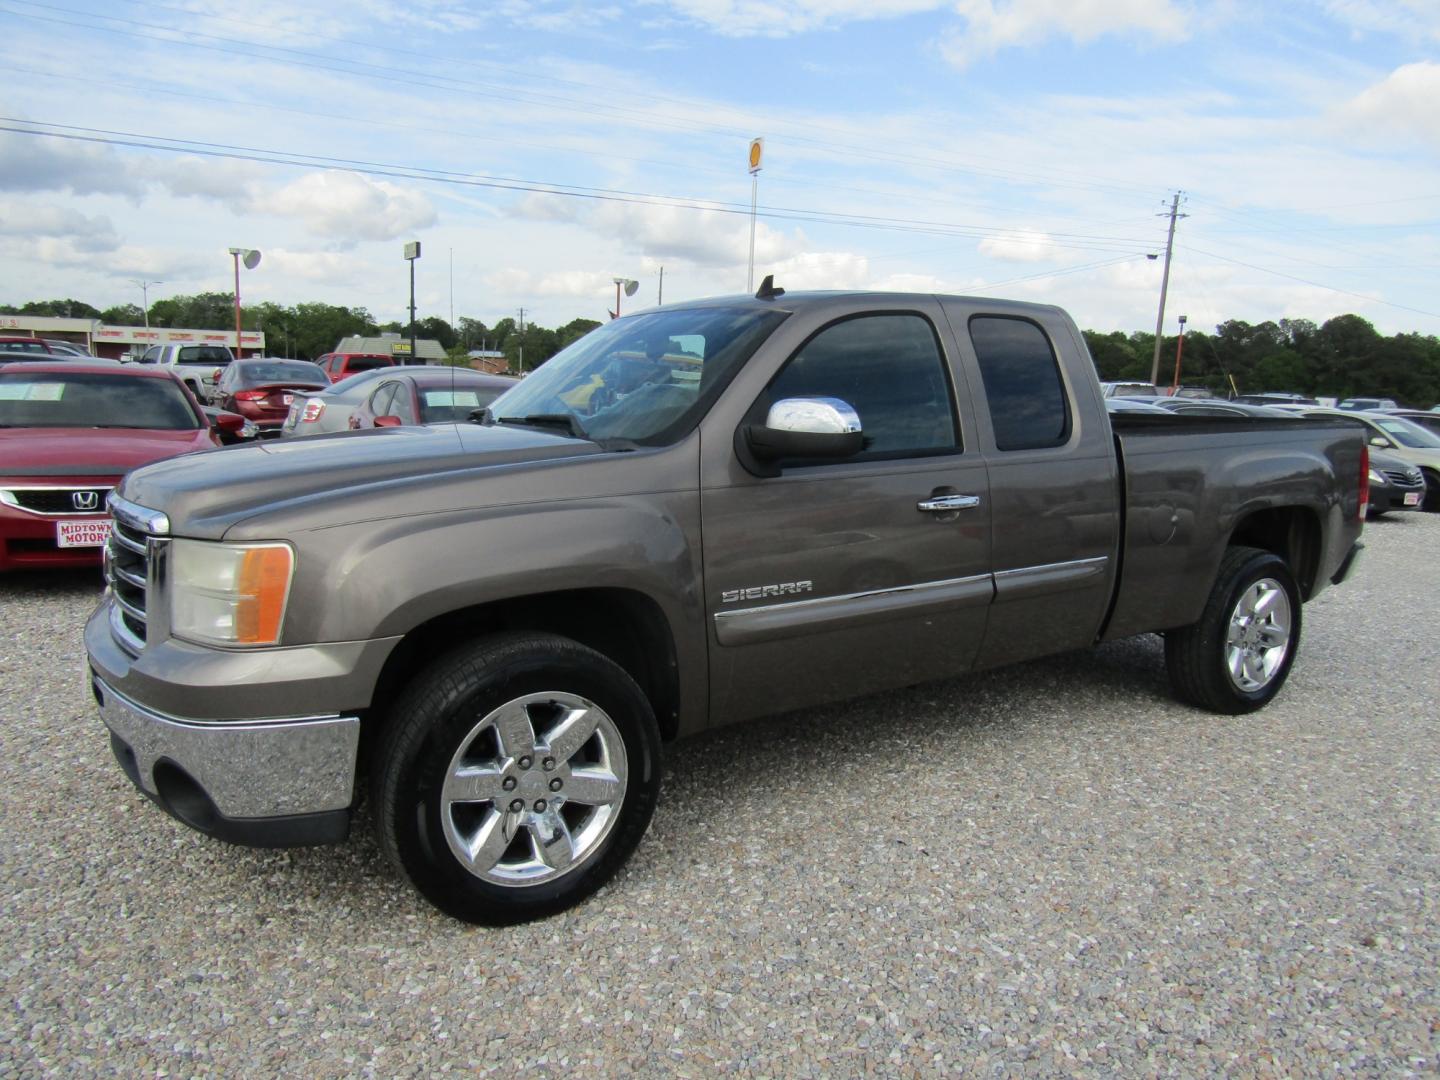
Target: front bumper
x,y
270,783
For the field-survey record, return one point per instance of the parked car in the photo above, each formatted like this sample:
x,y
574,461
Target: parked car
x,y
68,348
324,411
199,366
1133,406
1367,404
1274,397
262,388
13,355
231,428
822,495
1217,407
1404,439
1130,389
69,431
340,365
1429,420
1395,484
20,344
428,395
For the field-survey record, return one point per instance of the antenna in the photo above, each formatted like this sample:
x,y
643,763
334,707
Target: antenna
x,y
767,290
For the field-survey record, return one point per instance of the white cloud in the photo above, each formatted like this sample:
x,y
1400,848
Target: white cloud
x,y
1407,18
1021,246
349,206
84,233
1403,103
993,25
819,270
756,18
43,163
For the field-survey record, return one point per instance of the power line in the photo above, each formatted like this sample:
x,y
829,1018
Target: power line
x,y
647,117
167,144
1307,281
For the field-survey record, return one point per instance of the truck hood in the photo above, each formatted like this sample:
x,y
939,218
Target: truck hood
x,y
90,451
202,495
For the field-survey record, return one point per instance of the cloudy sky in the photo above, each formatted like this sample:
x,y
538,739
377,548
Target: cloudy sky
x,y
1018,148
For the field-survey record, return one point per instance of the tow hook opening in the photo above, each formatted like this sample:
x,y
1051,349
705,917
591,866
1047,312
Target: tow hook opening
x,y
183,797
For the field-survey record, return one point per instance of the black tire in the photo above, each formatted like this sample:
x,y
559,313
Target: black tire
x,y
433,726
1199,657
1431,501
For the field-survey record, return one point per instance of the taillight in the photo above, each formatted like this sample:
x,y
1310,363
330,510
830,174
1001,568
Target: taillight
x,y
1364,481
250,395
313,411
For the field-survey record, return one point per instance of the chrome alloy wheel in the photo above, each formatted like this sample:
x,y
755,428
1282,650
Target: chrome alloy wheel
x,y
1258,639
534,789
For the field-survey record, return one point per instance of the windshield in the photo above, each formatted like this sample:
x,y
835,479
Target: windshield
x,y
50,399
268,371
211,355
1408,434
643,379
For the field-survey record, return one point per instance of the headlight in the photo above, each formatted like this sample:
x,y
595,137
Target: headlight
x,y
1377,478
229,594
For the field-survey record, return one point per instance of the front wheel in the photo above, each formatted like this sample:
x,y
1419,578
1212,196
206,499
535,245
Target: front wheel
x,y
516,777
1235,658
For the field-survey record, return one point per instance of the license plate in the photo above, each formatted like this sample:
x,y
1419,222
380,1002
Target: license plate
x,y
286,399
73,534
1412,498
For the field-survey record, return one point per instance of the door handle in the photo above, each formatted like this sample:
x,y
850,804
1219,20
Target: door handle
x,y
946,504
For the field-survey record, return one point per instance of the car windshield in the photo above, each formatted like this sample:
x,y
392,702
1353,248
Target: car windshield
x,y
92,400
253,372
210,355
1408,434
24,346
453,405
644,379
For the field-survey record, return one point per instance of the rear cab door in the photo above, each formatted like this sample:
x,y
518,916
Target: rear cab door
x,y
846,576
1054,477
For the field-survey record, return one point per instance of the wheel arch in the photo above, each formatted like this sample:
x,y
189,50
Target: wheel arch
x,y
624,625
1292,532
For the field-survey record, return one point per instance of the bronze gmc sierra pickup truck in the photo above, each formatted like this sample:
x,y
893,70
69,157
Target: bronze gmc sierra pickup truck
x,y
695,515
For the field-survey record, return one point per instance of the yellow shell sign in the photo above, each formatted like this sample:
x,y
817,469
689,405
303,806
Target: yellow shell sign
x,y
756,146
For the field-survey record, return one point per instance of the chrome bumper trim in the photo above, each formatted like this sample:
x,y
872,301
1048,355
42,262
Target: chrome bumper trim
x,y
248,768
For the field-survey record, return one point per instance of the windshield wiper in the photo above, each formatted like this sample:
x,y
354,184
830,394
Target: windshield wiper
x,y
569,421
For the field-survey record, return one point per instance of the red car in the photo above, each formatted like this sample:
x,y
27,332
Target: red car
x,y
339,365
68,432
25,344
261,388
428,395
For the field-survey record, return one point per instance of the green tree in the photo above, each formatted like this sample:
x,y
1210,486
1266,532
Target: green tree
x,y
123,315
203,311
574,330
60,309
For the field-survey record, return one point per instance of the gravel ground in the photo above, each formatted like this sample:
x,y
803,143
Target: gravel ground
x,y
1051,869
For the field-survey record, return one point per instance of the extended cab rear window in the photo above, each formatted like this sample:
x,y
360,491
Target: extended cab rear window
x,y
1028,407
209,355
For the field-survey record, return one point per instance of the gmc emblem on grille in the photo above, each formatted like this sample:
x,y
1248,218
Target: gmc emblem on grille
x,y
85,500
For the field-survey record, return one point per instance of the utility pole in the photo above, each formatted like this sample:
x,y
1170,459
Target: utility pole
x,y
412,252
145,296
1165,286
660,297
522,341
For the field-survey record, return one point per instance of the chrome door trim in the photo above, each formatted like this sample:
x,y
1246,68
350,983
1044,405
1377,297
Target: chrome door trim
x,y
1028,581
945,504
750,626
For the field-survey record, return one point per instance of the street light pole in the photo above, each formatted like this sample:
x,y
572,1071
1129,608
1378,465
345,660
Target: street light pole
x,y
1179,348
252,260
757,148
145,296
412,252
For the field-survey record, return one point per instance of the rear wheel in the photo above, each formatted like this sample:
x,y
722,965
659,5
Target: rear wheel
x,y
1236,657
516,777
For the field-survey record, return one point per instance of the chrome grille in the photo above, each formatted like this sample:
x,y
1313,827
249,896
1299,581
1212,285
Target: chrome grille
x,y
1403,477
58,500
134,535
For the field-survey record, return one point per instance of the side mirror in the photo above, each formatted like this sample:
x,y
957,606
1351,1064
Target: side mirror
x,y
1380,442
228,423
819,427
387,421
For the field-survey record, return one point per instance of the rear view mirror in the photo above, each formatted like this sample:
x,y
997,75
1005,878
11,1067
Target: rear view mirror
x,y
387,421
1378,441
228,423
819,427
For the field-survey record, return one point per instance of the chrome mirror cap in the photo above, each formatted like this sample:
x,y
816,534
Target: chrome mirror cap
x,y
813,416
